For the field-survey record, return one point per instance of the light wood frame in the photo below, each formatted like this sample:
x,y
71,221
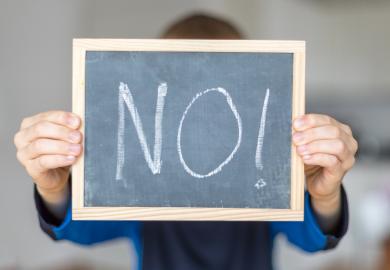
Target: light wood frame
x,y
81,212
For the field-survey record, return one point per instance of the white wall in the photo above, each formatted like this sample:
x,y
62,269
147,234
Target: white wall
x,y
35,70
347,44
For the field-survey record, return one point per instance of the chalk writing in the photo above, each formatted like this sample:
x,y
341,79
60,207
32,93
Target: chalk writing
x,y
260,140
126,96
239,126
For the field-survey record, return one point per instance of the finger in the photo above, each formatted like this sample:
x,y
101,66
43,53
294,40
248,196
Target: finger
x,y
317,133
67,119
48,162
331,162
46,129
348,164
346,128
49,147
312,120
353,145
324,133
316,120
334,147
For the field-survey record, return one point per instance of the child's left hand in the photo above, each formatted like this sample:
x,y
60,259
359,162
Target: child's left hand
x,y
327,148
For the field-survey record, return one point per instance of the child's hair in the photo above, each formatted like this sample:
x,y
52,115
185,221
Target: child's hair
x,y
201,26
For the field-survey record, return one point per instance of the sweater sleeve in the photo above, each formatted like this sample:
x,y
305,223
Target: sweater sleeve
x,y
84,232
307,235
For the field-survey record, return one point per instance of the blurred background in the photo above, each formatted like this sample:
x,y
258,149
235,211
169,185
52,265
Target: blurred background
x,y
348,77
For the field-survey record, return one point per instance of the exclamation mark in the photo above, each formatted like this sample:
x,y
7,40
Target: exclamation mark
x,y
260,141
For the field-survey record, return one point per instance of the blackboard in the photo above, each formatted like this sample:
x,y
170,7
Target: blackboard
x,y
184,130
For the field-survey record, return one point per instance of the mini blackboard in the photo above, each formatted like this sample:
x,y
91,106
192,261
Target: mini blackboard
x,y
188,129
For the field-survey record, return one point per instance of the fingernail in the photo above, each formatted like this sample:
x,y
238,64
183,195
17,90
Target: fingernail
x,y
73,121
74,136
306,157
302,149
74,148
70,158
297,137
298,123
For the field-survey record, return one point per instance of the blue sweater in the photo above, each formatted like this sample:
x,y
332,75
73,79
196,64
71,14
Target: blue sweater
x,y
197,245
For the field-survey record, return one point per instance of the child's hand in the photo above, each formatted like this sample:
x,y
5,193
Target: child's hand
x,y
47,145
328,149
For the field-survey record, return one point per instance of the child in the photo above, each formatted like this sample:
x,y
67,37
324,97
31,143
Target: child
x,y
49,143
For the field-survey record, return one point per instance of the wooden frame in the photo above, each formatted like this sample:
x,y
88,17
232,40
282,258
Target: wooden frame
x,y
80,212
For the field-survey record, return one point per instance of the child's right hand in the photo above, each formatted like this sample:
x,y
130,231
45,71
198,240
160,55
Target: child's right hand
x,y
47,145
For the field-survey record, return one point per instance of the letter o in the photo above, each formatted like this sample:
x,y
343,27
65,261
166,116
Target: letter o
x,y
239,125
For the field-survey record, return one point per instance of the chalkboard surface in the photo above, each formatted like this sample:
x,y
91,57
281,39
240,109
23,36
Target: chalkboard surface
x,y
188,129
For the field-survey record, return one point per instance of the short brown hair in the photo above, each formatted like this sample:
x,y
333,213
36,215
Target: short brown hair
x,y
202,26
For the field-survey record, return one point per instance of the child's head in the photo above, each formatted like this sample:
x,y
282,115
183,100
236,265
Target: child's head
x,y
200,26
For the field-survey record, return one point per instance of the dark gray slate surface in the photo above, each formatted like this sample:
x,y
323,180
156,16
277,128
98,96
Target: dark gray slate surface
x,y
209,131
